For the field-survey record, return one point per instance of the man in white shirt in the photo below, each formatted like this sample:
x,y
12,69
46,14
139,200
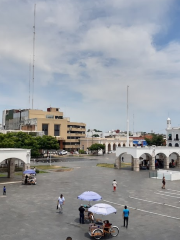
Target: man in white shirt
x,y
60,203
114,183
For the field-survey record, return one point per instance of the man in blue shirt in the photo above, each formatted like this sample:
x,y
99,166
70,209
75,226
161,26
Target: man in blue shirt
x,y
126,216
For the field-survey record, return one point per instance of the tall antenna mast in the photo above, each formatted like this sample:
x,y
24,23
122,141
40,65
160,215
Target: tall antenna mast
x,y
127,143
30,84
33,55
133,123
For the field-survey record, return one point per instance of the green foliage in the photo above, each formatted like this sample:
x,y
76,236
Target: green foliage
x,y
37,170
156,140
26,141
96,147
95,135
82,151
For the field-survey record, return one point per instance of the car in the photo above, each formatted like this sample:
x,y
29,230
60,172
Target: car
x,y
63,152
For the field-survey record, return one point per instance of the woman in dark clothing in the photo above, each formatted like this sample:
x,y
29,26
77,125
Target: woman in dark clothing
x,y
163,182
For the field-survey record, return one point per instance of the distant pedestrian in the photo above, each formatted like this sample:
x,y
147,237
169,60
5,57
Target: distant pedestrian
x,y
126,216
122,159
163,182
60,203
81,214
4,190
114,183
69,238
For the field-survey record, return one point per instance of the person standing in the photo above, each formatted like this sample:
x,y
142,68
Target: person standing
x,y
60,203
163,182
126,216
114,183
122,159
81,214
4,190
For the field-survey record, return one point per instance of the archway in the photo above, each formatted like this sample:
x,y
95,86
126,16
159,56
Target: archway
x,y
119,145
109,147
10,157
161,161
170,144
176,144
146,162
114,147
174,160
11,167
124,144
125,161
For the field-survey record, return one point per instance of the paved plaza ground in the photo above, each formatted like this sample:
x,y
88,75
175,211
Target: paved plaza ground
x,y
29,212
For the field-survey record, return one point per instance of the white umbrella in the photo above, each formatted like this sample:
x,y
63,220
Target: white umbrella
x,y
89,196
102,208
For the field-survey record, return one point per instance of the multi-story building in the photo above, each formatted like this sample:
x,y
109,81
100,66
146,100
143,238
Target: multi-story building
x,y
172,135
51,122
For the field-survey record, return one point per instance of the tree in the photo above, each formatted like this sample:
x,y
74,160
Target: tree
x,y
26,141
96,147
95,135
157,139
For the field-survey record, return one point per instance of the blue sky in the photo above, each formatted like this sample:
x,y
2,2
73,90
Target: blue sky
x,y
87,52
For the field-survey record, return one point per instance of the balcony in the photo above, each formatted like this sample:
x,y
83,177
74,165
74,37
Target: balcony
x,y
169,139
176,139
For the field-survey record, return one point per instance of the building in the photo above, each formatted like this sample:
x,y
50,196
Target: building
x,y
172,135
32,133
110,143
51,122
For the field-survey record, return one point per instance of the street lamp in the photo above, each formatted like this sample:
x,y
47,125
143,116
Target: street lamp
x,y
50,159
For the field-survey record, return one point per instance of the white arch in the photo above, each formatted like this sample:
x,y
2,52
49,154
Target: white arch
x,y
22,154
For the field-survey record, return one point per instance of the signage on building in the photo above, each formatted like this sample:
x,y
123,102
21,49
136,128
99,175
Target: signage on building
x,y
49,116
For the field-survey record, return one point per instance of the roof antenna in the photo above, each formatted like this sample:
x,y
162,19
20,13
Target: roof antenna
x,y
33,56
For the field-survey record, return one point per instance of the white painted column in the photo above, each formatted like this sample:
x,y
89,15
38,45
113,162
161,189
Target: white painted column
x,y
106,144
166,163
136,164
111,146
178,161
152,163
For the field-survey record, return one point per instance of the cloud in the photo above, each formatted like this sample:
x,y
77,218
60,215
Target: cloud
x,y
87,52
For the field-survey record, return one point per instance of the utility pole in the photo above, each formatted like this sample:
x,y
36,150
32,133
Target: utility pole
x,y
127,143
34,35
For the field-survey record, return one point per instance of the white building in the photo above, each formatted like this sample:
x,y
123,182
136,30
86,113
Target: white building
x,y
172,135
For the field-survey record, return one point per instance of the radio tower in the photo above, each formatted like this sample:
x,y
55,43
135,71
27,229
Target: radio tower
x,y
33,55
30,84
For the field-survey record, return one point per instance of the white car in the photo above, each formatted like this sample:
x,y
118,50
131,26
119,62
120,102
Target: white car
x,y
63,152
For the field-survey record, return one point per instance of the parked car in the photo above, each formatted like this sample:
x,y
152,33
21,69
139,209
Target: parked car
x,y
63,152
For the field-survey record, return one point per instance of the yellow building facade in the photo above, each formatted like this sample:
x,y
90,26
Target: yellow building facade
x,y
51,122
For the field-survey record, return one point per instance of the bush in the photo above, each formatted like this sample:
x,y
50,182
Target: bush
x,y
37,170
82,152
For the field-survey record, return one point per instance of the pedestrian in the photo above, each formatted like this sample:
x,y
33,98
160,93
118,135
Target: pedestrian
x,y
60,203
81,214
126,216
4,190
35,170
122,159
114,183
69,238
163,182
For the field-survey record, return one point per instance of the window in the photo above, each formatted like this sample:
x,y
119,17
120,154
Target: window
x,y
45,128
176,145
58,117
49,116
56,130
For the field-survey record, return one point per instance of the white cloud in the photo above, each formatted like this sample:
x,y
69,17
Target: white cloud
x,y
91,50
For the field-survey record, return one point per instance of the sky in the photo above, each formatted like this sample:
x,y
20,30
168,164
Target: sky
x,y
86,54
